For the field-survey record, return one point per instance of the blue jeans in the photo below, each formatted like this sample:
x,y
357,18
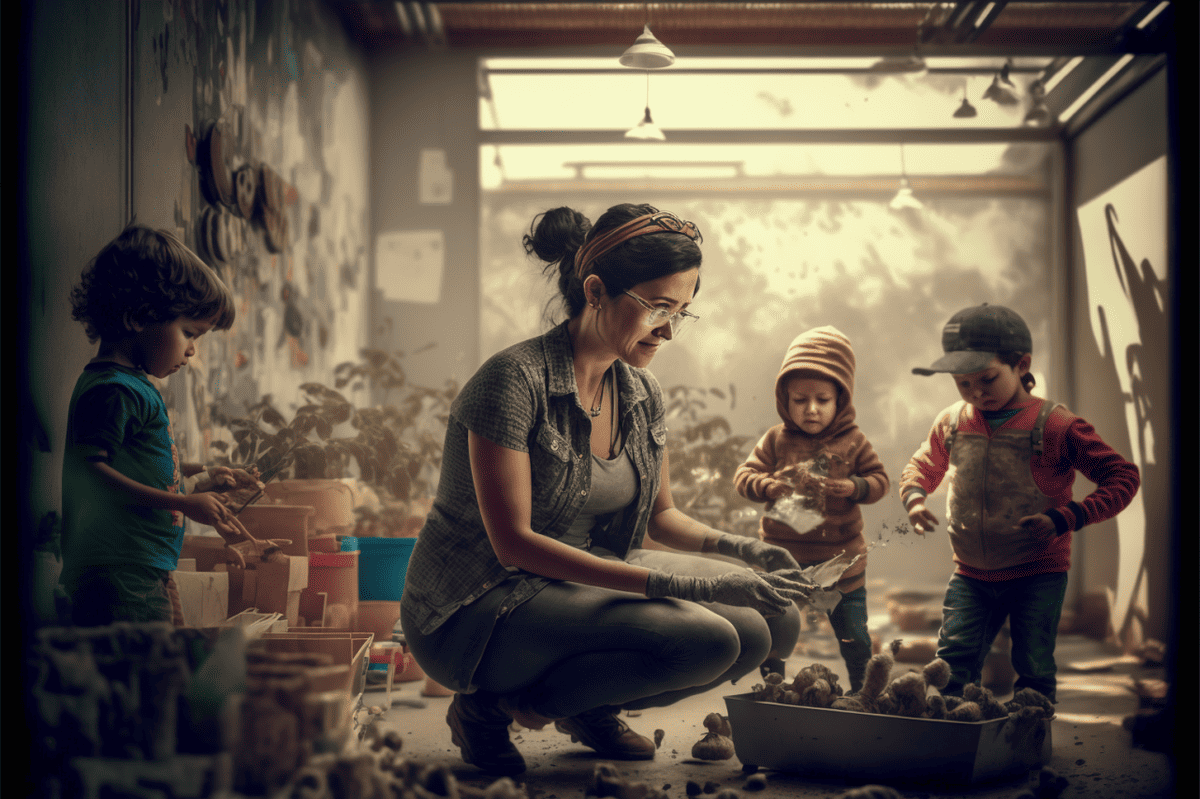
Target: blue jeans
x,y
849,621
975,610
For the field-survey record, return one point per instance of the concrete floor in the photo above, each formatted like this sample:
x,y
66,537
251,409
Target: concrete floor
x,y
1091,749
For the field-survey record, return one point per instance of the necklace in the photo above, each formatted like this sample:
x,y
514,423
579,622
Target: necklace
x,y
595,410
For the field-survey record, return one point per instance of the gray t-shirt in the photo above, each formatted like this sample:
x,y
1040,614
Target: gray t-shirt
x,y
614,487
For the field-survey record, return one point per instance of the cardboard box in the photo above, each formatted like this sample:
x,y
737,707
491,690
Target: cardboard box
x,y
269,587
871,747
347,648
204,596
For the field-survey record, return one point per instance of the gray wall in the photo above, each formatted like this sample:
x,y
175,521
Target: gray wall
x,y
1119,144
1127,138
73,200
422,100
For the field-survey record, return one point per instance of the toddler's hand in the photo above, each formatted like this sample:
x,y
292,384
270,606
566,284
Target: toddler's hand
x,y
921,518
777,489
839,487
1040,525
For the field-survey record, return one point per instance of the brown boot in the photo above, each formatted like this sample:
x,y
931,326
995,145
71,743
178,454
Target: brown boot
x,y
480,729
611,737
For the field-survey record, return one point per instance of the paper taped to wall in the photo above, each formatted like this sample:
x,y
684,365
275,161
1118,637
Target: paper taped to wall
x,y
409,264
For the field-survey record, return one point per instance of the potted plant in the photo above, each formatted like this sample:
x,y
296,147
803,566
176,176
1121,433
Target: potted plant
x,y
415,418
396,445
704,456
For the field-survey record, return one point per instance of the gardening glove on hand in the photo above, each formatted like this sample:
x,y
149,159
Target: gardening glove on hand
x,y
753,552
769,594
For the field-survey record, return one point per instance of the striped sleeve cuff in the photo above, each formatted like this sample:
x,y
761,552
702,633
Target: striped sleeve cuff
x,y
912,497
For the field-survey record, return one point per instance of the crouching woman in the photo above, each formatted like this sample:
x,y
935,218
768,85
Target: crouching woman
x,y
529,592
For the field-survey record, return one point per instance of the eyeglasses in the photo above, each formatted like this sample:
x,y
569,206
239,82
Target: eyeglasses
x,y
679,321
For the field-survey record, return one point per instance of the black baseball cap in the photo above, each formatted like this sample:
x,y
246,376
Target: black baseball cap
x,y
974,336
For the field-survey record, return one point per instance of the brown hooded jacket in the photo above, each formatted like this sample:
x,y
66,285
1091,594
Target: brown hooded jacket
x,y
841,450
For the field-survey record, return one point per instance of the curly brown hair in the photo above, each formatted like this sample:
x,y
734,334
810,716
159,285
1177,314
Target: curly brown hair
x,y
145,276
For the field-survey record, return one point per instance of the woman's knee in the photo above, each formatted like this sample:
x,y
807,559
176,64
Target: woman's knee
x,y
699,636
785,632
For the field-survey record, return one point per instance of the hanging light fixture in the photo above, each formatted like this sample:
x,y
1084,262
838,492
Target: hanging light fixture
x,y
1002,89
1039,114
904,197
647,52
646,130
966,110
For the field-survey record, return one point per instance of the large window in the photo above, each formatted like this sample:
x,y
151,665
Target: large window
x,y
797,235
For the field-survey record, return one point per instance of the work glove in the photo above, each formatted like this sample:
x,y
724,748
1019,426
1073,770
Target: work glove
x,y
753,552
770,593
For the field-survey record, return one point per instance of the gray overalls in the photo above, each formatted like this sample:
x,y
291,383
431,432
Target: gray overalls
x,y
991,489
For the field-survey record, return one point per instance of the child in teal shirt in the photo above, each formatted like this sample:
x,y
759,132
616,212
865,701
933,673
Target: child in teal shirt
x,y
148,299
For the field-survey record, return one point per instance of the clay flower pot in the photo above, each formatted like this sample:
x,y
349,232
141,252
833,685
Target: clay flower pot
x,y
289,522
332,502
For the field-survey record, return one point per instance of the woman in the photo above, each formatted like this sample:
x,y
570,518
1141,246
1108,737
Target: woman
x,y
528,591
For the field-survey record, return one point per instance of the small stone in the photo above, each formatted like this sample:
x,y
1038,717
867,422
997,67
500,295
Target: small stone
x,y
756,782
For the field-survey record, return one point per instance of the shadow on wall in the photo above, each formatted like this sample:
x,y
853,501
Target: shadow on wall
x,y
1124,387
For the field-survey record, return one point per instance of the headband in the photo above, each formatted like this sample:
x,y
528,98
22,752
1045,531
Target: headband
x,y
657,222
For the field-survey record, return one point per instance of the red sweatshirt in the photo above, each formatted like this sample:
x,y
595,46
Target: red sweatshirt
x,y
1071,444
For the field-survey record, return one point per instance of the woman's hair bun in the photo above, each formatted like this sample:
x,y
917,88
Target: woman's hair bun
x,y
556,234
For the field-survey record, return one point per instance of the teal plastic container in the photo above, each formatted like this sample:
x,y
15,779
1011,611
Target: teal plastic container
x,y
382,564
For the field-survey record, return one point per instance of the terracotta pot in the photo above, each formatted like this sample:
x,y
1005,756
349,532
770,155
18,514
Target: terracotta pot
x,y
379,617
412,672
336,575
332,501
289,522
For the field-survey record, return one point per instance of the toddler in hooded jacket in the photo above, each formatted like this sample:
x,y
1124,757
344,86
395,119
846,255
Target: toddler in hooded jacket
x,y
820,459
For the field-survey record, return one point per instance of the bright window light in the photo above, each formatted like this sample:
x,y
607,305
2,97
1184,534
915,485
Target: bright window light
x,y
1095,87
1158,9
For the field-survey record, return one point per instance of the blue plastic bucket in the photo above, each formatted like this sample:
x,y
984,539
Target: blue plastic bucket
x,y
382,564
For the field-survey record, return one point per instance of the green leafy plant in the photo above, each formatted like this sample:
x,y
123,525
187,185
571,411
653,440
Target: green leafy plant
x,y
396,445
704,456
416,417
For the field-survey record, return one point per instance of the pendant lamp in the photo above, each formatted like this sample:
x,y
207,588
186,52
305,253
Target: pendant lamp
x,y
1039,114
966,110
646,130
904,197
1001,93
647,52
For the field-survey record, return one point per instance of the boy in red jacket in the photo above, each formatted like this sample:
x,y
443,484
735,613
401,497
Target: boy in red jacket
x,y
819,452
1010,460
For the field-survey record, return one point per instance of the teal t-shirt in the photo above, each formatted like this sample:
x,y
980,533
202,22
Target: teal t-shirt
x,y
117,411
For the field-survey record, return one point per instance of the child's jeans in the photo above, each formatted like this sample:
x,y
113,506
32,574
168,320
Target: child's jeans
x,y
975,610
849,620
103,595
